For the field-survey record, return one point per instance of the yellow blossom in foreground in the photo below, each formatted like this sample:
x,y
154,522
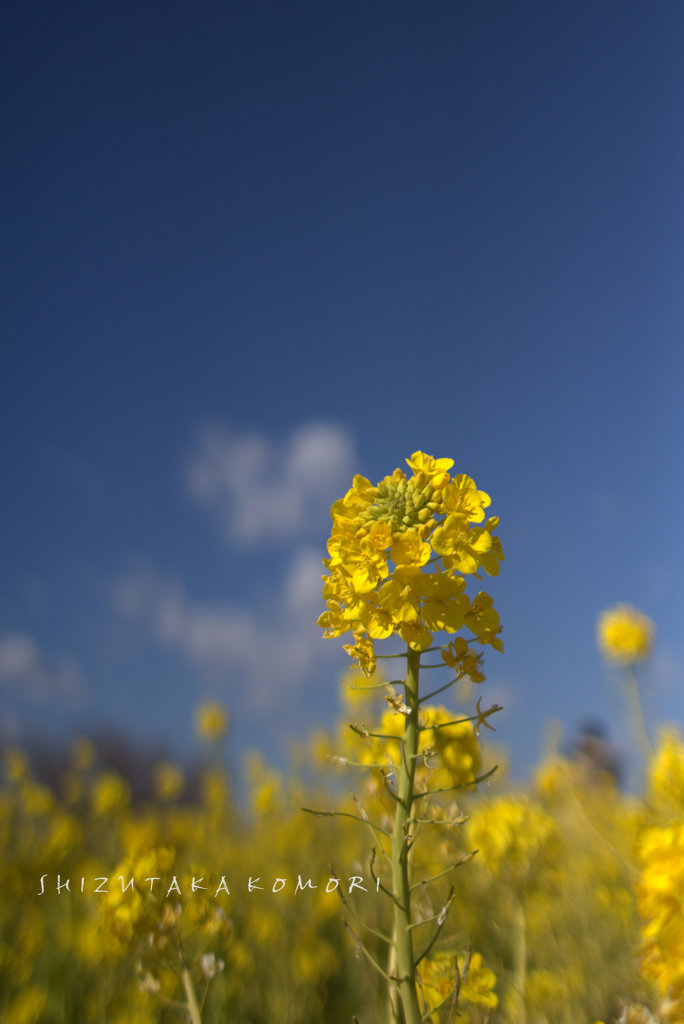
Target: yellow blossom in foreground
x,y
211,721
438,981
625,634
660,895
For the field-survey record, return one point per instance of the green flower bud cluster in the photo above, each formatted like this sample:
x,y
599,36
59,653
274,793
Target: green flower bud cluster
x,y
403,503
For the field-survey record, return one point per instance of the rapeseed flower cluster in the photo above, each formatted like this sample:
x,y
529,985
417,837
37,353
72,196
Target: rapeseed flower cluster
x,y
399,552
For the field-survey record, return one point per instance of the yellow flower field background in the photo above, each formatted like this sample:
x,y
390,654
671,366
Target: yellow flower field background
x,y
425,886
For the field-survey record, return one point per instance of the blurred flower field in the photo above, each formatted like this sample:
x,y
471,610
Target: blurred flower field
x,y
571,908
393,873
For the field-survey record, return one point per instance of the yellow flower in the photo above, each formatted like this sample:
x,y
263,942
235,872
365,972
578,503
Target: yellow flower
x,y
110,794
467,662
27,1007
168,781
435,470
83,754
511,833
666,773
364,652
449,751
660,901
16,765
456,747
438,980
211,721
398,553
462,497
625,634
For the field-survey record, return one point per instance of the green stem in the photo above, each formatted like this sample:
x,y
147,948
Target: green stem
x,y
401,872
190,995
636,714
520,962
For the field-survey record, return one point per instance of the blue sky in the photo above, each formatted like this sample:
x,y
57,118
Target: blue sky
x,y
253,249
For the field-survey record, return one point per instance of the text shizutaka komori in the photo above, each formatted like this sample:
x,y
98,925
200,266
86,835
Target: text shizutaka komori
x,y
106,884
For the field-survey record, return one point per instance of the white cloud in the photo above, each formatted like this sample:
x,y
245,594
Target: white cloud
x,y
25,666
266,652
260,491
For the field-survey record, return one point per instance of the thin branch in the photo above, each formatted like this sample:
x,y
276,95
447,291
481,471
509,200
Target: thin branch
x,y
429,696
360,945
376,878
385,780
425,920
364,817
354,911
459,721
452,867
459,785
337,759
453,822
384,736
346,814
375,686
403,654
441,920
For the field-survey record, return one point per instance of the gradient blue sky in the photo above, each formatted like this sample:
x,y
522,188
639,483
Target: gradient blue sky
x,y
253,249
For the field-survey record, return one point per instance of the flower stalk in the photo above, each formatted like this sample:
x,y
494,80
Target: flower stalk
x,y
401,849
520,962
399,554
191,996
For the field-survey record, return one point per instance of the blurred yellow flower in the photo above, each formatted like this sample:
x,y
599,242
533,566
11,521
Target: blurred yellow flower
x,y
28,1006
16,764
666,773
82,754
211,721
511,833
456,759
625,634
168,781
110,794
